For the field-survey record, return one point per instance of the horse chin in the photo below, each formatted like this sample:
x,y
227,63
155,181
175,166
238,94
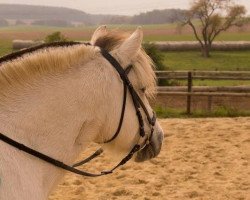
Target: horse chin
x,y
151,150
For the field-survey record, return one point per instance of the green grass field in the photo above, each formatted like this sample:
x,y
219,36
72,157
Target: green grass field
x,y
5,47
190,37
221,111
221,61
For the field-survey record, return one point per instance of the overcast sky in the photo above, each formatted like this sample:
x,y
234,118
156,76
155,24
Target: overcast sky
x,y
122,7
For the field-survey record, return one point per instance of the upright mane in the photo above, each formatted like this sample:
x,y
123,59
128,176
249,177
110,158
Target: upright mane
x,y
50,61
143,66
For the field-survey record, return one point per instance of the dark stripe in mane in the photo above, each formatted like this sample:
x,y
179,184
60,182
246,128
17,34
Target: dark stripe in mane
x,y
18,54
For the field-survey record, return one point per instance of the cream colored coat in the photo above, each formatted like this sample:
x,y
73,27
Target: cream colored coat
x,y
57,101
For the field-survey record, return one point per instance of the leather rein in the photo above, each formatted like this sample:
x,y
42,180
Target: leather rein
x,y
138,104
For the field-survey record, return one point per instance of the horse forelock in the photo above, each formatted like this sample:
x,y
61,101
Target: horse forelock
x,y
142,64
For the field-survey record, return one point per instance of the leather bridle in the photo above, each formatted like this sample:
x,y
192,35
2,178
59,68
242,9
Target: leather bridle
x,y
127,85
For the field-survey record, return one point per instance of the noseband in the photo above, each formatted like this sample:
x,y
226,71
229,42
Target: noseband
x,y
138,104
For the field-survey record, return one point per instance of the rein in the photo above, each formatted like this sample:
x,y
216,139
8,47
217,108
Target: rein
x,y
138,104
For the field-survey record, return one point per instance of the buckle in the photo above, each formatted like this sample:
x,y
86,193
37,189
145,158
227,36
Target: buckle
x,y
142,132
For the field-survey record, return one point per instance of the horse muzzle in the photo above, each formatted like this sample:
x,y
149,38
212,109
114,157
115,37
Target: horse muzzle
x,y
152,149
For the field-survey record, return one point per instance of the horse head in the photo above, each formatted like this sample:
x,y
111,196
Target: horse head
x,y
127,50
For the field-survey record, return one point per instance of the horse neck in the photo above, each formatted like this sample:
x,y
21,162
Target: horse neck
x,y
53,118
42,113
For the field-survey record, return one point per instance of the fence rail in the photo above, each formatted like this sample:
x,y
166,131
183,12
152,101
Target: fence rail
x,y
195,46
204,75
222,94
235,89
189,91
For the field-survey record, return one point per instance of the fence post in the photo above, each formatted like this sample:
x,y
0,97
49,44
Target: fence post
x,y
209,103
189,97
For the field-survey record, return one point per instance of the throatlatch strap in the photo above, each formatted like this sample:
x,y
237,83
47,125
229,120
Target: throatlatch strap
x,y
122,114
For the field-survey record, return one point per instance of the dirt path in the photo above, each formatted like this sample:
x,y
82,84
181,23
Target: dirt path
x,y
201,159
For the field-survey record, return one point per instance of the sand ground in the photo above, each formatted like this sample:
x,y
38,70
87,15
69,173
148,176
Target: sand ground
x,y
201,159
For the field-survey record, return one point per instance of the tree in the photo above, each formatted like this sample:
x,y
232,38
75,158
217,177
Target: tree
x,y
55,37
213,16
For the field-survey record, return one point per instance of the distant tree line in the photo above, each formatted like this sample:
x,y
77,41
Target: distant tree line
x,y
159,16
55,16
29,12
57,23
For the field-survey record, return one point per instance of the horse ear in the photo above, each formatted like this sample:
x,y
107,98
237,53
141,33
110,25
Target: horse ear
x,y
130,47
101,30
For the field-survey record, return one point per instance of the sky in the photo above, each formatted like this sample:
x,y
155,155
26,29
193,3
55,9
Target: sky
x,y
121,7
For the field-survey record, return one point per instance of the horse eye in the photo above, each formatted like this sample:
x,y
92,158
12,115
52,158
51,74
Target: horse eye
x,y
143,89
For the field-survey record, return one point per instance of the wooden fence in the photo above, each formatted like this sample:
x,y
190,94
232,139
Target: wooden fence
x,y
210,92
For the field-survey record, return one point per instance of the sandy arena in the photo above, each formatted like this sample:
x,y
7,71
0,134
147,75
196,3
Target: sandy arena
x,y
201,159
